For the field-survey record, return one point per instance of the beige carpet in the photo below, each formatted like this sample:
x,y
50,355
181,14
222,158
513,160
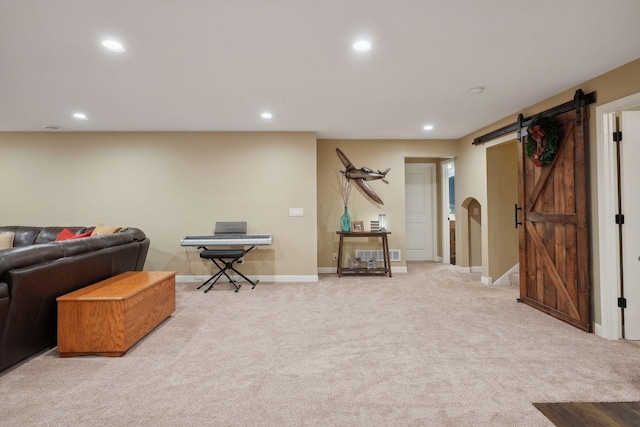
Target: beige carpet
x,y
431,347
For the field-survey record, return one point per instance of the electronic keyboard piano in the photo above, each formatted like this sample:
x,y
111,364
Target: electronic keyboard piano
x,y
225,259
228,239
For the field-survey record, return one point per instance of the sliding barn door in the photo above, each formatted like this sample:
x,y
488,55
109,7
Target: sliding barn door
x,y
555,274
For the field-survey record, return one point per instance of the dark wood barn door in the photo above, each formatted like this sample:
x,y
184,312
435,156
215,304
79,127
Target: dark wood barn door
x,y
555,268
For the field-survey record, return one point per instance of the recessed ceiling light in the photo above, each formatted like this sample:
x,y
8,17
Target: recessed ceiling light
x,y
476,90
427,127
113,45
266,115
362,45
80,116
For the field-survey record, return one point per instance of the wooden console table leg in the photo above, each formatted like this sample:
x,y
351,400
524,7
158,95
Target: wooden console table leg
x,y
385,254
340,257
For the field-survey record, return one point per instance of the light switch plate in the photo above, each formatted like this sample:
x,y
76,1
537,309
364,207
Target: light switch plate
x,y
296,212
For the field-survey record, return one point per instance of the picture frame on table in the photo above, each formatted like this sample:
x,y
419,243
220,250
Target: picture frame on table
x,y
357,226
355,263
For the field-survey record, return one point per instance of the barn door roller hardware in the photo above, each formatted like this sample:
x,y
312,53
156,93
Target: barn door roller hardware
x,y
579,100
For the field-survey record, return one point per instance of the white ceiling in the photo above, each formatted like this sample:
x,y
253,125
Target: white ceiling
x,y
199,65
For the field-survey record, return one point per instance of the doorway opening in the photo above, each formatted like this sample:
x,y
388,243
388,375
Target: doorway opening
x,y
448,174
502,198
473,212
421,212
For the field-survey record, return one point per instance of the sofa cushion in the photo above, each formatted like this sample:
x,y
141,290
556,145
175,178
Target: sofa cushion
x,y
23,235
22,256
6,240
102,229
81,235
77,246
50,234
67,234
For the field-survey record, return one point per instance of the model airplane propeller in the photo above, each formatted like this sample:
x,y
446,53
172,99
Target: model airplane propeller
x,y
361,176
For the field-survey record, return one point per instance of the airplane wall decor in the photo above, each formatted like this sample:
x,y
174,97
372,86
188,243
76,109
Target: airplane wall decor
x,y
361,176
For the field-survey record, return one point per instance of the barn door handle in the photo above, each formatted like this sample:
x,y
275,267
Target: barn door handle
x,y
516,215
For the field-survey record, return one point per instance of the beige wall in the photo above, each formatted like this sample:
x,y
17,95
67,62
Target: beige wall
x,y
471,173
471,161
170,185
375,154
173,184
502,195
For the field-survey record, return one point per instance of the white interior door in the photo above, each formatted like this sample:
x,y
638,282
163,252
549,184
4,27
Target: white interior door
x,y
630,176
420,211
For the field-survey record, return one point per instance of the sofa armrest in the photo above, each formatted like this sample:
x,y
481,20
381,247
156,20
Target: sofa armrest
x,y
137,234
4,306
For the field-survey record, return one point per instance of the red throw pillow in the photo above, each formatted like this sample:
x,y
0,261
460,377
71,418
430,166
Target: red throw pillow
x,y
78,236
67,234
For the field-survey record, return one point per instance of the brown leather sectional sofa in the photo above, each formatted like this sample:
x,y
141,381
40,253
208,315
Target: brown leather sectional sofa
x,y
39,269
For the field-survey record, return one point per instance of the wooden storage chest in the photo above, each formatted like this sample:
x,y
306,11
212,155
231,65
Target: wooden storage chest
x,y
109,317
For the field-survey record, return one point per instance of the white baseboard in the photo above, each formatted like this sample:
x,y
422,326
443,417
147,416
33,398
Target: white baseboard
x,y
504,279
467,270
597,329
464,270
474,269
265,279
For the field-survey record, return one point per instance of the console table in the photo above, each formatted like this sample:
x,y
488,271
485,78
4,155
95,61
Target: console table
x,y
364,271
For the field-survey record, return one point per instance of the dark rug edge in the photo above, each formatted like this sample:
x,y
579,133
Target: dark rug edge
x,y
565,414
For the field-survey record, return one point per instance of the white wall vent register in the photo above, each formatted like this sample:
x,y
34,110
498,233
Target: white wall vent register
x,y
394,254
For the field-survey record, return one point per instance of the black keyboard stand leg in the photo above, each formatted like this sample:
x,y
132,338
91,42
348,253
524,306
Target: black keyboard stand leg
x,y
229,266
246,278
223,267
225,261
215,278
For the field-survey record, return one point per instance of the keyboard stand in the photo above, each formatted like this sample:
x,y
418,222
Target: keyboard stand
x,y
225,259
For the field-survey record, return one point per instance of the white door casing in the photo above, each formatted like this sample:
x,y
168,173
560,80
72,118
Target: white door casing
x,y
629,155
607,196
